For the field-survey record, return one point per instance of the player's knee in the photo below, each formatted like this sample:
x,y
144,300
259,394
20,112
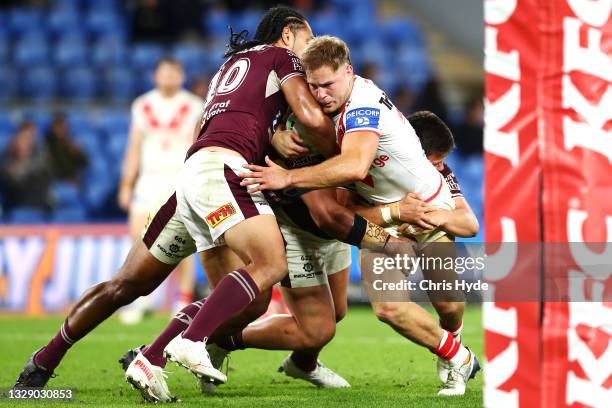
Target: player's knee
x,y
124,291
390,313
319,334
271,269
449,309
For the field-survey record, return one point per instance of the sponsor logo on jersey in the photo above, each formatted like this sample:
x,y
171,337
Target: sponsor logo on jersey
x,y
362,118
220,214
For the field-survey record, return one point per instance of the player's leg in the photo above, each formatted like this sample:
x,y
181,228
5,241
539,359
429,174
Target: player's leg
x,y
336,258
217,210
216,262
137,221
236,290
139,275
185,276
310,325
449,304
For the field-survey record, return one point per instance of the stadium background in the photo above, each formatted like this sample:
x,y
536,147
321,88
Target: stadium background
x,y
548,74
89,59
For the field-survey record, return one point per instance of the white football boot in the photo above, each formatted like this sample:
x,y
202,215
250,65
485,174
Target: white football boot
x,y
458,376
217,357
193,356
149,379
443,366
321,376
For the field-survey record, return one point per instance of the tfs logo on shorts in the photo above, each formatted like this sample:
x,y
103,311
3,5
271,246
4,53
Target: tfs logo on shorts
x,y
220,214
362,118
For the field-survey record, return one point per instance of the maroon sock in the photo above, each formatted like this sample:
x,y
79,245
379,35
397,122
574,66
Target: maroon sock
x,y
50,356
231,343
155,351
305,360
233,293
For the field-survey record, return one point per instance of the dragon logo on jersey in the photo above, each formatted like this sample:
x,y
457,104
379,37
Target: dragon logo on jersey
x,y
220,214
362,118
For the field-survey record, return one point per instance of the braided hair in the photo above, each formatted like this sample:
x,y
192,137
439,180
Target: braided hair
x,y
269,29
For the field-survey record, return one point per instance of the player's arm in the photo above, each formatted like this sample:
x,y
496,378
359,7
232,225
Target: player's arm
x,y
343,224
352,164
131,164
461,221
308,112
411,209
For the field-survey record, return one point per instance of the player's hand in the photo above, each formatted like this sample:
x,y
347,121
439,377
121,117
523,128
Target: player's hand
x,y
261,178
439,218
124,197
400,245
287,144
409,230
412,210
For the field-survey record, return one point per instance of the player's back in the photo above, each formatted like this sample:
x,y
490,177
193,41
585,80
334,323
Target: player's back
x,y
245,101
400,165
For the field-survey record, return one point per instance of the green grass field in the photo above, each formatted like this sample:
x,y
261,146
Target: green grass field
x,y
383,368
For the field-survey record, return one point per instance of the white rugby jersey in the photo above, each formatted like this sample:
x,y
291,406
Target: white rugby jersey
x,y
167,126
400,165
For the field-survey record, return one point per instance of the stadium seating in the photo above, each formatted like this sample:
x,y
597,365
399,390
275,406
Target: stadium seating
x,y
23,19
39,84
69,215
7,84
70,51
79,51
27,215
66,195
119,85
109,51
62,20
79,84
31,50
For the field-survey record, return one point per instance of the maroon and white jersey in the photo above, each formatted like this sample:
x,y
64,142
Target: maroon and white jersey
x,y
245,101
452,182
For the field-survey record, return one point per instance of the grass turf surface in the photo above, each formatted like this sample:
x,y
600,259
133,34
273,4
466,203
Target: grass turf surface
x,y
383,368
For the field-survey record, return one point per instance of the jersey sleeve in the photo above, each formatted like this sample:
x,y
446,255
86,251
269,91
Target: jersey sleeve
x,y
137,115
452,182
363,114
287,65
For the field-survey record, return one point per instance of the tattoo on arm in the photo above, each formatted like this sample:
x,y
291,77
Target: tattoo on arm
x,y
375,237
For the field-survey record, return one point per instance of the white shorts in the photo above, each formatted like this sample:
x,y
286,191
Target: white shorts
x,y
151,192
208,201
310,259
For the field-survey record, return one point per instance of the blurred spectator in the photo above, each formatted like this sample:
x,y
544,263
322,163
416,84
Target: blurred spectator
x,y
150,22
469,133
166,20
184,18
24,174
431,99
65,157
23,3
199,86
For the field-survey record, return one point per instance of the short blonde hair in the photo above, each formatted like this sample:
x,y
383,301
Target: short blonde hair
x,y
325,51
